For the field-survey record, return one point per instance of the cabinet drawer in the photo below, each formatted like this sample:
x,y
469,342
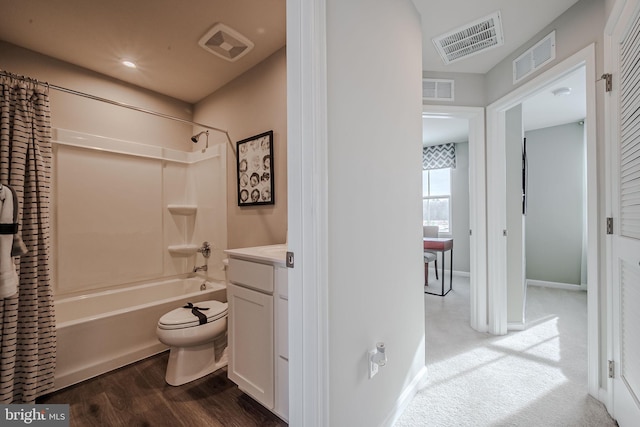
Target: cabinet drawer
x,y
251,274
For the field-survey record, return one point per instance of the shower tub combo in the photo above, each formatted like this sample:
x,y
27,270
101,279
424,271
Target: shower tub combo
x,y
106,330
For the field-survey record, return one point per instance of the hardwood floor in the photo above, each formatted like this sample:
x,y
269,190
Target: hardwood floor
x,y
137,395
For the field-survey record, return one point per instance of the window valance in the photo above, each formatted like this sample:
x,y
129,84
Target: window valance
x,y
439,156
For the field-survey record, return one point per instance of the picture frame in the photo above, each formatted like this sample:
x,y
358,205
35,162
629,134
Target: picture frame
x,y
255,170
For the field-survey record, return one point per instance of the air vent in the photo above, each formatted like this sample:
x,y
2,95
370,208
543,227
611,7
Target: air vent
x,y
540,54
437,90
226,43
471,39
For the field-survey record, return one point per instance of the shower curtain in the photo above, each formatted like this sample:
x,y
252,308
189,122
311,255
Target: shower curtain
x,y
27,328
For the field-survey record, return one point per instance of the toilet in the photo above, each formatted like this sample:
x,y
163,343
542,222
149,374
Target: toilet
x,y
197,348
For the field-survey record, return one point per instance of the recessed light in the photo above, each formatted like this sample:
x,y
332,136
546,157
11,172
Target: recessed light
x,y
561,91
128,63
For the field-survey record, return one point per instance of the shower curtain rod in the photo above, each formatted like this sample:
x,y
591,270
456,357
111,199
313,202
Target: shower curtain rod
x,y
117,103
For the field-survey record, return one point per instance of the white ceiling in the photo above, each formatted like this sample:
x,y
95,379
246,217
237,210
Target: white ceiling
x,y
545,109
442,130
162,35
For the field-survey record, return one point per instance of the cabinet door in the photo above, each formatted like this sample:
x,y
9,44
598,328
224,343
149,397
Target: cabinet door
x,y
251,361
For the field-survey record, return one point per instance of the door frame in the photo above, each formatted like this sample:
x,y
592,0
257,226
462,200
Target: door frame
x,y
496,201
307,189
477,208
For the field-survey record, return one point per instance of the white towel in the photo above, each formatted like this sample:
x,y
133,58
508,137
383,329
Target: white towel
x,y
8,275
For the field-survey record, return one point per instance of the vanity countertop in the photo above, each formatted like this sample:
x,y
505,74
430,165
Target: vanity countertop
x,y
274,254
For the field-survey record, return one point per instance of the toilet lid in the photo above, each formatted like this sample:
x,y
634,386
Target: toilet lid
x,y
181,318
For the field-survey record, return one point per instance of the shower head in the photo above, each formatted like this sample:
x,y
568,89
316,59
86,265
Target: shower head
x,y
195,137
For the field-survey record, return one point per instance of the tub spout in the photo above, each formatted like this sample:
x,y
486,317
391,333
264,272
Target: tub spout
x,y
201,268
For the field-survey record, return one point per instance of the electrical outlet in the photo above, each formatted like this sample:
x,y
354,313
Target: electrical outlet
x,y
373,366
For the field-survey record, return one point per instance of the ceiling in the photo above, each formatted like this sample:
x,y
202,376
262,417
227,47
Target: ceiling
x,y
161,36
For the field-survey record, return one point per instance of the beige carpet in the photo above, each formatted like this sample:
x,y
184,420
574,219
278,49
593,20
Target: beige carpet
x,y
535,377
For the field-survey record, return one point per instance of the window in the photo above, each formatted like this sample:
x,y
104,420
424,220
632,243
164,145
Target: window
x,y
436,198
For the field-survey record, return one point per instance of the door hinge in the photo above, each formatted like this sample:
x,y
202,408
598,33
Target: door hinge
x,y
504,232
290,259
612,367
609,225
470,232
608,78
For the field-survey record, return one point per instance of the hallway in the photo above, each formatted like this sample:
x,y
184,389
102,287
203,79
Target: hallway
x,y
535,377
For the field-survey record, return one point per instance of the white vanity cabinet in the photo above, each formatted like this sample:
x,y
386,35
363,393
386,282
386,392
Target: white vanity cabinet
x,y
257,293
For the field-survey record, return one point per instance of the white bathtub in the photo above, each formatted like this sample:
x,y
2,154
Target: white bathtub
x,y
106,330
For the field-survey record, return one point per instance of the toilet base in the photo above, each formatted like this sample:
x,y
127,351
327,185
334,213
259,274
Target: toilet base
x,y
187,364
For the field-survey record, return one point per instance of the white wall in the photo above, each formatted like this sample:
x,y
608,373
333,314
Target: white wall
x,y
374,201
460,208
515,220
555,203
252,104
581,25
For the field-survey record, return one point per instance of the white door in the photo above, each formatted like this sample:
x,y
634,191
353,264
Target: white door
x,y
624,131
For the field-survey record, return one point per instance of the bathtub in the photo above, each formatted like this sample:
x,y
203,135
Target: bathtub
x,y
106,330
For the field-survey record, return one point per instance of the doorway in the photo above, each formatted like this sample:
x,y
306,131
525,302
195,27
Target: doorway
x,y
546,193
497,225
477,205
555,184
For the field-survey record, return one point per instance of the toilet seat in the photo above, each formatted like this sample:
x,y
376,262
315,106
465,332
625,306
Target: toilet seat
x,y
182,318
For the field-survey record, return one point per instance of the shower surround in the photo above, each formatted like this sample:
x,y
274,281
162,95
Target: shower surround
x,y
117,227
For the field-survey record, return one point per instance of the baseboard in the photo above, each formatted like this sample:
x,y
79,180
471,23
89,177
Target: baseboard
x,y
455,273
406,397
603,396
556,285
515,326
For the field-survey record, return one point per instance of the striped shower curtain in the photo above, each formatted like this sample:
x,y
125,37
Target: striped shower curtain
x,y
27,331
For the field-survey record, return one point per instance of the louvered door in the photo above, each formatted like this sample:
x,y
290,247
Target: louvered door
x,y
625,243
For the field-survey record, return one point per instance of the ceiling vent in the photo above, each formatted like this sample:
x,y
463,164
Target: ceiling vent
x,y
540,54
471,39
437,90
226,43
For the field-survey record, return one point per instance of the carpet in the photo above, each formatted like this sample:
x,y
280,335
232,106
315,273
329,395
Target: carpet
x,y
535,377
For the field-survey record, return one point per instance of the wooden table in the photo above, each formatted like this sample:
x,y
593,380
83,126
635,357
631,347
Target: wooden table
x,y
441,244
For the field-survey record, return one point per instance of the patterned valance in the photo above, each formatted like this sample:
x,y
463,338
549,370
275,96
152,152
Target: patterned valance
x,y
439,156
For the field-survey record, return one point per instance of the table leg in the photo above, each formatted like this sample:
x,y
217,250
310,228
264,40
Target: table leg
x,y
426,273
450,269
443,276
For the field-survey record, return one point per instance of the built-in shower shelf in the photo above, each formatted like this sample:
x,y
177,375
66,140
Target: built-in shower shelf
x,y
182,209
183,250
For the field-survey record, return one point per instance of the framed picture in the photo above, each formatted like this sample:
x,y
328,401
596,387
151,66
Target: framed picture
x,y
255,170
